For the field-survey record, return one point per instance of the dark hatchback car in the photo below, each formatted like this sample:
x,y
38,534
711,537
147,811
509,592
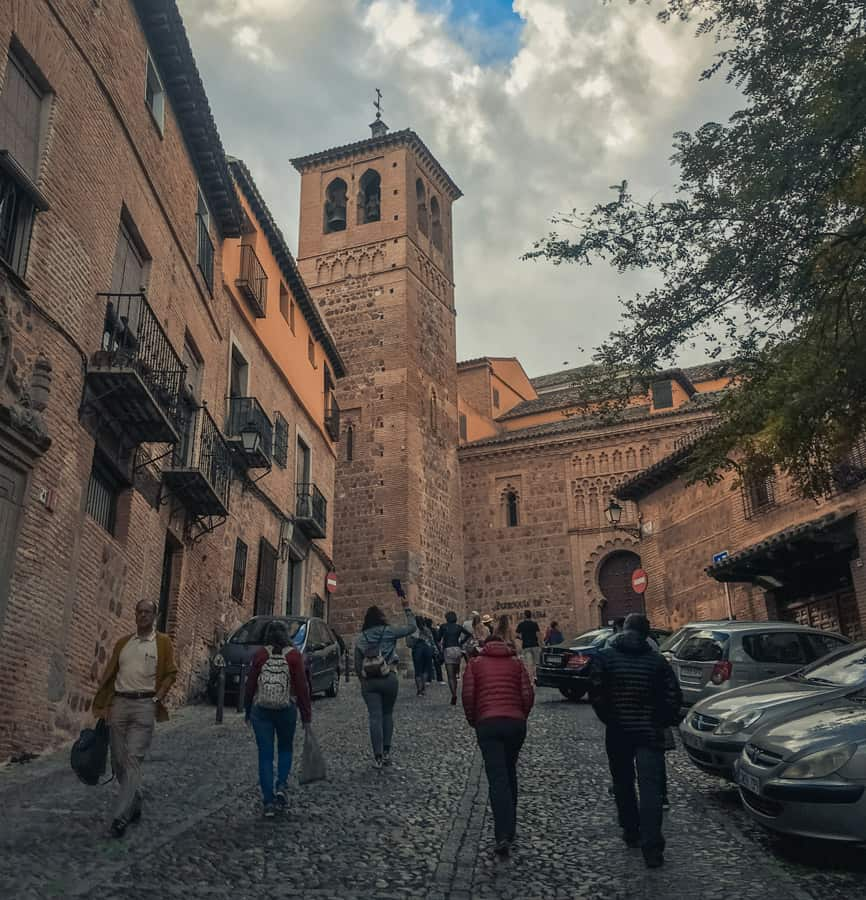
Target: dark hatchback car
x,y
566,666
319,644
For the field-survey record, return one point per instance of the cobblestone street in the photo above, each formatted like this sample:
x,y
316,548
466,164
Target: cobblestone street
x,y
419,830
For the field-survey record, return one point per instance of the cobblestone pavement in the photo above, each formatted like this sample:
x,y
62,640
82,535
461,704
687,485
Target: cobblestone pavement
x,y
419,830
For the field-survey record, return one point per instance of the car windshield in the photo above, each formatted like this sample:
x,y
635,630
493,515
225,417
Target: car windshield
x,y
253,632
596,636
845,668
704,646
674,640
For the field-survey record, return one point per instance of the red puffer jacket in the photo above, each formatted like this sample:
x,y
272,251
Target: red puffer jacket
x,y
496,685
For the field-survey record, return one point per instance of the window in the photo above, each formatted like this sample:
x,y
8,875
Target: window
x,y
239,374
705,646
433,411
663,397
302,463
495,398
194,367
287,307
463,427
775,647
369,197
512,510
204,248
129,275
321,634
266,579
335,206
350,444
103,492
421,197
154,94
759,494
281,440
239,571
311,351
437,223
819,645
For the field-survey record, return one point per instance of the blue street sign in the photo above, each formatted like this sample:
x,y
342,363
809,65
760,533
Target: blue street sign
x,y
718,557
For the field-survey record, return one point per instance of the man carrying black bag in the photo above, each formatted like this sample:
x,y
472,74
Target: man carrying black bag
x,y
635,693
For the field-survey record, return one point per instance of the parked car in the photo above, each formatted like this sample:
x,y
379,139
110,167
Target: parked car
x,y
669,645
719,658
806,776
312,636
566,666
717,728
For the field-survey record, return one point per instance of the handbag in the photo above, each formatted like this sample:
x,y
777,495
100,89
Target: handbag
x,y
312,761
90,753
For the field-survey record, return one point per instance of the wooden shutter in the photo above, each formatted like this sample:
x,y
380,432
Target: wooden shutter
x,y
266,579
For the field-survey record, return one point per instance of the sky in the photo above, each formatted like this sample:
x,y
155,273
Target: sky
x,y
533,107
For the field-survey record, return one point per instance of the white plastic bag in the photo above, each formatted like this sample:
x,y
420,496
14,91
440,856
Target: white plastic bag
x,y
312,761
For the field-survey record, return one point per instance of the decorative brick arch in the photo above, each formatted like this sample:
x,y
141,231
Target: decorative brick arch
x,y
594,563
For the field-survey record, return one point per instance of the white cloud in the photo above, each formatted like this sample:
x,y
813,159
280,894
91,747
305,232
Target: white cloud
x,y
591,96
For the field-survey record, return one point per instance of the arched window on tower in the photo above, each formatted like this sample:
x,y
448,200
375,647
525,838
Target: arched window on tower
x,y
421,197
433,411
369,197
436,219
350,443
512,509
335,206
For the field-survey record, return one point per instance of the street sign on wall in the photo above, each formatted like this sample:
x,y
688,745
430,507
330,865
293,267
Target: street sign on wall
x,y
639,581
719,557
331,582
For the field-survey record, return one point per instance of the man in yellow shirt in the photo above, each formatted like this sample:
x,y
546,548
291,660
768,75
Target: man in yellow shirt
x,y
138,676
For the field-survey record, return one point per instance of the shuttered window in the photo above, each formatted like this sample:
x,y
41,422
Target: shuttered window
x,y
281,441
266,580
239,572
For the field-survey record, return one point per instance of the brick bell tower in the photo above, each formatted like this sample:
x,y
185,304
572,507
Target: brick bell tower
x,y
375,249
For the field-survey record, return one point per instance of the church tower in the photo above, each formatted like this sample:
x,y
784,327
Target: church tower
x,y
375,249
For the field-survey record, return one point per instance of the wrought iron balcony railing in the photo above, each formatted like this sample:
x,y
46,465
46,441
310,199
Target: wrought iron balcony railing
x,y
252,281
332,418
136,376
311,512
250,431
200,474
205,251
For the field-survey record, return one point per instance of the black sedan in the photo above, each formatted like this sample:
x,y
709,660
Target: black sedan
x,y
566,666
319,645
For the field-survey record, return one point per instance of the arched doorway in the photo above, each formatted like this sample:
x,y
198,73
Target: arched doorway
x,y
614,582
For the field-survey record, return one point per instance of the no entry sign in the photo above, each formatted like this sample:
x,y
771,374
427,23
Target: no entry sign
x,y
331,582
639,581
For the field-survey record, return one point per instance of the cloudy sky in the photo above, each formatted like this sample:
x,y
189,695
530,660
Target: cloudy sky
x,y
533,107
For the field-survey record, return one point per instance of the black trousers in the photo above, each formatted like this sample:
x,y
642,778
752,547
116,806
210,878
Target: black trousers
x,y
500,741
642,818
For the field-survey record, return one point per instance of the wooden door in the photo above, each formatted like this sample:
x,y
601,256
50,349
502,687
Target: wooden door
x,y
614,581
12,484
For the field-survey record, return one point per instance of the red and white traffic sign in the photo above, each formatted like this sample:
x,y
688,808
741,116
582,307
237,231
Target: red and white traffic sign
x,y
331,582
639,581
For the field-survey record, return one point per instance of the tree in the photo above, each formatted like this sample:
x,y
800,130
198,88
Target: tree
x,y
762,252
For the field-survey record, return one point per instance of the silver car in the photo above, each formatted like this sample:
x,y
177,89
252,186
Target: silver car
x,y
807,776
716,729
669,645
719,658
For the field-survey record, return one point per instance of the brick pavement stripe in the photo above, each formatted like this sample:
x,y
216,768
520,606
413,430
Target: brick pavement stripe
x,y
202,835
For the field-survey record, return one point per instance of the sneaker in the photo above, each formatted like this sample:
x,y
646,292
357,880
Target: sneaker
x,y
454,701
665,804
502,849
631,840
117,828
269,811
377,762
386,758
281,797
654,859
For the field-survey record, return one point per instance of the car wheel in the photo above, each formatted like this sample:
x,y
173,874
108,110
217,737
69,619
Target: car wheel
x,y
334,686
572,694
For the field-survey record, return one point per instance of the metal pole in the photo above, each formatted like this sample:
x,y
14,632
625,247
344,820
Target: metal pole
x,y
729,600
242,685
346,664
221,694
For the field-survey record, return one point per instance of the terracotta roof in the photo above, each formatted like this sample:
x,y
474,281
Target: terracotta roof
x,y
170,49
711,371
576,424
287,264
704,372
384,142
471,363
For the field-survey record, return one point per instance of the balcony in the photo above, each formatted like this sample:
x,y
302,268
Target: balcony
x,y
332,419
200,474
311,513
250,432
204,254
136,376
252,281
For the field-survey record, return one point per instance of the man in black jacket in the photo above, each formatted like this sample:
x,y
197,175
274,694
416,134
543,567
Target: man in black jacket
x,y
635,693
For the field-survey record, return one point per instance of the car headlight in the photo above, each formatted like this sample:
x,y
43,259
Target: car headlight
x,y
818,765
219,660
739,723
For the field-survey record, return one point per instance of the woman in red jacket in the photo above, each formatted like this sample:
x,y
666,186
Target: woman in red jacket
x,y
497,700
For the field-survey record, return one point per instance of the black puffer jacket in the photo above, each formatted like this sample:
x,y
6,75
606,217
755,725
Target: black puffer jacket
x,y
634,691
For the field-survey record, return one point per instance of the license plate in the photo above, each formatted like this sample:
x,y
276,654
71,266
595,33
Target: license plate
x,y
691,671
692,740
555,660
749,782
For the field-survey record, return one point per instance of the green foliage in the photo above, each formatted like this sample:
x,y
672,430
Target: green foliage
x,y
762,253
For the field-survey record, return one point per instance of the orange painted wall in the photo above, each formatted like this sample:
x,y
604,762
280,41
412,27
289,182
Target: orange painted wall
x,y
511,372
478,426
716,384
508,398
287,350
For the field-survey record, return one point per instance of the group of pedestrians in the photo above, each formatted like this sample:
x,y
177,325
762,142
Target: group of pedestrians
x,y
633,692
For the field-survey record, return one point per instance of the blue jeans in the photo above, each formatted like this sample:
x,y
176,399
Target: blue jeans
x,y
266,724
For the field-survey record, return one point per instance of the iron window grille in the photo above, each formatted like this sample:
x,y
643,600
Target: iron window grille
x,y
281,441
103,493
239,571
252,281
759,495
19,202
850,472
204,256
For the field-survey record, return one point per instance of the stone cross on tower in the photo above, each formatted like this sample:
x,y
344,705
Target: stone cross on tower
x,y
378,126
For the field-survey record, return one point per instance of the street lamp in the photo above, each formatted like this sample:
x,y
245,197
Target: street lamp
x,y
250,438
613,514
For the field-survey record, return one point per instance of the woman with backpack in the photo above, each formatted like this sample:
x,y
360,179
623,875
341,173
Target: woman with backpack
x,y
452,637
422,655
276,688
375,665
497,700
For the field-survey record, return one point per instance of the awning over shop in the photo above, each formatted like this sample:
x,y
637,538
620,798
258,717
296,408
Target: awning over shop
x,y
776,560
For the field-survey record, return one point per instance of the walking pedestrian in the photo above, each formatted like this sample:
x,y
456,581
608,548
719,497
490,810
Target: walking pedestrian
x,y
636,695
528,632
375,665
435,670
487,622
422,654
452,638
497,700
139,675
276,688
553,635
